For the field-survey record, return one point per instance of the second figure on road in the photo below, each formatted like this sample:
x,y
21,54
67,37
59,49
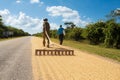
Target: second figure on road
x,y
61,34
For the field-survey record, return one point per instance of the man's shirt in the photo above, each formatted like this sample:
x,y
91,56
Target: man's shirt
x,y
60,31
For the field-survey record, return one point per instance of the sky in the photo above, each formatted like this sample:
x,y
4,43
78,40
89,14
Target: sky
x,y
29,14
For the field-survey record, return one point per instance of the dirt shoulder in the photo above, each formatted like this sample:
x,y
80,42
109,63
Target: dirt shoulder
x,y
82,66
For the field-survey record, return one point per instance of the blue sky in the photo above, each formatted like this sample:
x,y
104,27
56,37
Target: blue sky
x,y
29,14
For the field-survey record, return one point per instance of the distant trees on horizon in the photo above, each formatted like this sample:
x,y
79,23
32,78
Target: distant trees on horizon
x,y
9,31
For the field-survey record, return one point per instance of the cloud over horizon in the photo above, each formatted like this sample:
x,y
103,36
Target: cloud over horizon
x,y
67,14
21,21
33,25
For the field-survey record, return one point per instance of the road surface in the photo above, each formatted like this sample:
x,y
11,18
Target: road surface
x,y
19,62
15,59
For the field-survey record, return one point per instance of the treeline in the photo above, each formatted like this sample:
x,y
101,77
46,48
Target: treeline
x,y
8,31
107,33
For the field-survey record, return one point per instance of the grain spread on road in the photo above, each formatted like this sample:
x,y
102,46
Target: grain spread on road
x,y
82,66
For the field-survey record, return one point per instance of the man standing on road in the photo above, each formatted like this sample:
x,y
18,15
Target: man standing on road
x,y
61,34
46,32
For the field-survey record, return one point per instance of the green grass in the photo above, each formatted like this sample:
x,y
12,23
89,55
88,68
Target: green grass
x,y
99,50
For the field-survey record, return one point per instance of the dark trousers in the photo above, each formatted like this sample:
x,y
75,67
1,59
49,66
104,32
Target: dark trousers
x,y
44,41
61,37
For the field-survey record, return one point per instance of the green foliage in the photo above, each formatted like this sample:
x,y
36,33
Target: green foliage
x,y
69,24
1,23
1,26
107,33
104,32
70,33
84,33
53,33
75,34
1,31
38,34
96,32
112,33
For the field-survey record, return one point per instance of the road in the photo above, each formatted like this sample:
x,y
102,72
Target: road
x,y
19,62
15,59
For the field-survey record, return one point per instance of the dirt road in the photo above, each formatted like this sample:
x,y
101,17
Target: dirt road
x,y
82,66
15,59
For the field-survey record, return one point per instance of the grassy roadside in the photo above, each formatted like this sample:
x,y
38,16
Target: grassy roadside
x,y
106,52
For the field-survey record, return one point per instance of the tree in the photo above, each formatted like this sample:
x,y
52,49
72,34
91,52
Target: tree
x,y
96,32
74,34
112,32
53,33
69,24
2,27
1,20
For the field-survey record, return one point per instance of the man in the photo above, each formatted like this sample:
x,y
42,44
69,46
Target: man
x,y
61,34
46,32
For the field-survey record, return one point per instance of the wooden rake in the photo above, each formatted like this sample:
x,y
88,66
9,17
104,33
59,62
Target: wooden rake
x,y
44,52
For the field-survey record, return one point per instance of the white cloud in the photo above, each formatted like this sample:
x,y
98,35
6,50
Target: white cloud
x,y
37,1
18,1
67,14
4,12
34,1
22,21
54,26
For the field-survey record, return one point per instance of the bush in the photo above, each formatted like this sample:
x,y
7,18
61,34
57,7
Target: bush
x,y
112,32
96,32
